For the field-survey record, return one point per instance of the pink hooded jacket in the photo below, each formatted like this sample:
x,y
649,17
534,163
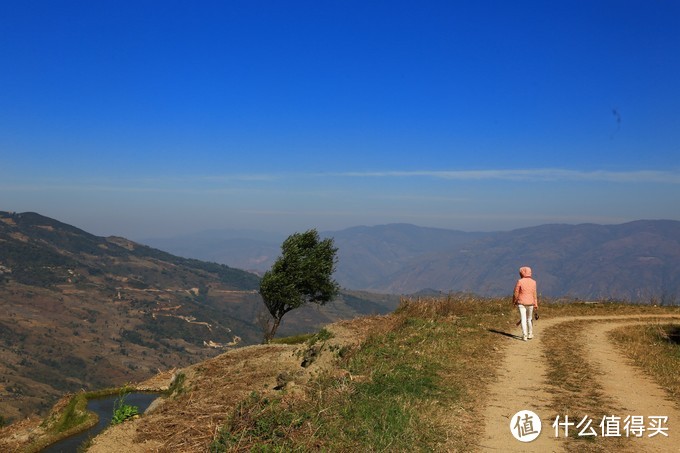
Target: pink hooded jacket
x,y
525,289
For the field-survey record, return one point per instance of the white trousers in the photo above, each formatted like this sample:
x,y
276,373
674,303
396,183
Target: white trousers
x,y
526,314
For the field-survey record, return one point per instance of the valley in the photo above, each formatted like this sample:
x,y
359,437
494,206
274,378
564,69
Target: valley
x,y
79,311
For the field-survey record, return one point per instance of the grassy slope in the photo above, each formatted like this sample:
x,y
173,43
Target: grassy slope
x,y
410,389
418,381
423,383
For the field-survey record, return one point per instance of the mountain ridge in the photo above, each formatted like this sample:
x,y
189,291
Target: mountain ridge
x,y
83,311
632,261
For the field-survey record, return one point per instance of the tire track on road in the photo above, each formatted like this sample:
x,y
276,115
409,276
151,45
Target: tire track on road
x,y
513,392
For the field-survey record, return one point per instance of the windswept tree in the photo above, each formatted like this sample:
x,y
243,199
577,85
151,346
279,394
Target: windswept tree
x,y
301,275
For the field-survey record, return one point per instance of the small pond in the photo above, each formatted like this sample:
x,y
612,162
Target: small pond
x,y
103,407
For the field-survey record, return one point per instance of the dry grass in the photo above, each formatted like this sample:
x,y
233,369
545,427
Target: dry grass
x,y
405,384
189,419
574,386
67,417
439,343
215,391
656,350
416,379
549,309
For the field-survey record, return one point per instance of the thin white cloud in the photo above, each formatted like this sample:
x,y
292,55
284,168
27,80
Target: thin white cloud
x,y
541,174
535,174
249,182
234,177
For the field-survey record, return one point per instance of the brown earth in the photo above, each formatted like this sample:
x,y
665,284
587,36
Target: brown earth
x,y
189,425
522,385
188,421
632,392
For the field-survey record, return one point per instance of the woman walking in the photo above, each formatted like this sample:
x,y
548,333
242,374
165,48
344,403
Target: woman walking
x,y
526,300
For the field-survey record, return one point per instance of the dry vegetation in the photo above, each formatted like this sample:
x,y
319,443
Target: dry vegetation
x,y
656,350
574,387
413,380
398,383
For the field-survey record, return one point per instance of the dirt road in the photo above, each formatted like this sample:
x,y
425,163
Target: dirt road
x,y
623,383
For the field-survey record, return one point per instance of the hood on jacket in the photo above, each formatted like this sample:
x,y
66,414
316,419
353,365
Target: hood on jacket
x,y
525,272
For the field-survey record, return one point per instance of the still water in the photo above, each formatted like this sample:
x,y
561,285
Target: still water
x,y
104,408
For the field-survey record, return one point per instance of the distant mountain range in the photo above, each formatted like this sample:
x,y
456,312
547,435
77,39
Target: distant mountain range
x,y
638,261
83,311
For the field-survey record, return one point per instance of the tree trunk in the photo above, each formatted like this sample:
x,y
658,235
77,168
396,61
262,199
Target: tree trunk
x,y
270,336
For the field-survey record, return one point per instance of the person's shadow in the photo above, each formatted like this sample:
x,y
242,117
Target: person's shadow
x,y
505,334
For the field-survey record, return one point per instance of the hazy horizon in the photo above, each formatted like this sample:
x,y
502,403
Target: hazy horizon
x,y
279,235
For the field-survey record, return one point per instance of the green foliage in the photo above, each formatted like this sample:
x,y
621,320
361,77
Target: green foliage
x,y
323,335
177,384
260,421
294,339
3,421
311,338
382,411
73,415
122,411
388,409
301,275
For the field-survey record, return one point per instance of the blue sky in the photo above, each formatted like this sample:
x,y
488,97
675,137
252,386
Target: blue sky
x,y
155,118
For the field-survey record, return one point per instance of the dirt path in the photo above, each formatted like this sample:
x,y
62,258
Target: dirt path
x,y
634,392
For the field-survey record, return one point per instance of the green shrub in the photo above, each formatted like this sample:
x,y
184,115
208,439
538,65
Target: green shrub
x,y
177,385
122,411
264,423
